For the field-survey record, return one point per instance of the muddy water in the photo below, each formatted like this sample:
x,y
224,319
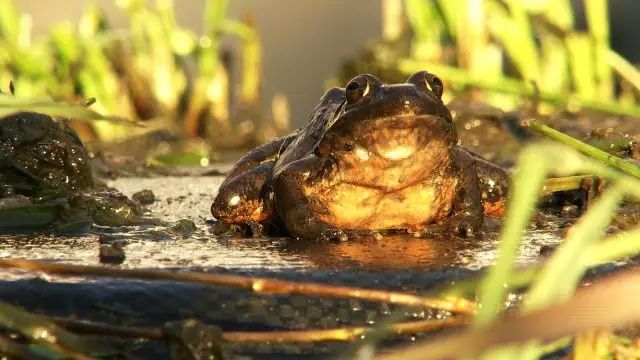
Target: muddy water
x,y
190,198
395,262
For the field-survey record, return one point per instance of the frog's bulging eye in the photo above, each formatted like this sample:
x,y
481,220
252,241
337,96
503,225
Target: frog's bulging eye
x,y
356,90
427,81
353,86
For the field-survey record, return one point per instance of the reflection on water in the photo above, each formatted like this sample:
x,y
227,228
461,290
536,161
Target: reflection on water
x,y
404,252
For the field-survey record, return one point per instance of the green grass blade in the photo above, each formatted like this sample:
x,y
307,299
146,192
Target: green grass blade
x,y
214,14
554,63
581,57
9,22
624,69
559,13
614,248
528,180
450,12
598,20
512,28
595,153
428,28
559,277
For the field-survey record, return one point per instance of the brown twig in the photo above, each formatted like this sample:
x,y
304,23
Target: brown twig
x,y
94,328
337,334
256,285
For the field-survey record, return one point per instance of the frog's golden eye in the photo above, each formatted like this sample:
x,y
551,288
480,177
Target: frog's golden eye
x,y
428,81
357,89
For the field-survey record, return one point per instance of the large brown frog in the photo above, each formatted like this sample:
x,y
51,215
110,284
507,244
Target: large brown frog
x,y
372,157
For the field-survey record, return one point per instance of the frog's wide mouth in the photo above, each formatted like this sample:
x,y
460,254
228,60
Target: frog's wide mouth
x,y
398,137
401,121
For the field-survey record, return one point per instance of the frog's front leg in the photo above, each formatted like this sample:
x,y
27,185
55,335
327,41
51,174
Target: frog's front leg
x,y
494,185
297,212
467,215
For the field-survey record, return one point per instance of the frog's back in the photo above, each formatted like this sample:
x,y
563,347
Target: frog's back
x,y
311,134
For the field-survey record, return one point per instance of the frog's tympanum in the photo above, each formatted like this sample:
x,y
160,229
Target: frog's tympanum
x,y
372,157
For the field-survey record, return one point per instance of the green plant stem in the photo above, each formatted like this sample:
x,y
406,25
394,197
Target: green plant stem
x,y
528,179
614,248
598,20
552,185
624,68
609,303
610,249
611,160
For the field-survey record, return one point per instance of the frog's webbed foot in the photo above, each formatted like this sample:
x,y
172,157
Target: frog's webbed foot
x,y
247,229
334,234
463,226
251,229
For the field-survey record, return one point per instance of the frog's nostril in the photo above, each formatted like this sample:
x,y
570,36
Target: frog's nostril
x,y
348,147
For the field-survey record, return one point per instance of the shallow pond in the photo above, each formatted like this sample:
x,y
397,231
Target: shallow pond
x,y
396,262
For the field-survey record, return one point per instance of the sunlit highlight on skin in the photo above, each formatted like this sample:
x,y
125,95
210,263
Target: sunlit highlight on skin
x,y
362,154
398,153
235,200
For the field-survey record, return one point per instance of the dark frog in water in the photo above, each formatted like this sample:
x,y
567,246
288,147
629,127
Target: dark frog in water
x,y
372,157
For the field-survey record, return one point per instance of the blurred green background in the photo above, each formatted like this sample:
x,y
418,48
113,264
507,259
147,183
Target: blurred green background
x,y
303,42
240,72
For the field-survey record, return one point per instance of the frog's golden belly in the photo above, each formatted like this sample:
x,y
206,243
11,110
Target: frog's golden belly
x,y
354,206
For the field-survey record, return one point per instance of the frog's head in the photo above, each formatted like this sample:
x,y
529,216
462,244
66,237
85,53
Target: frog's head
x,y
388,135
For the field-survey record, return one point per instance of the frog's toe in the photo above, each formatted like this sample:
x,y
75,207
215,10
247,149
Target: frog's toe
x,y
428,231
334,235
464,226
461,226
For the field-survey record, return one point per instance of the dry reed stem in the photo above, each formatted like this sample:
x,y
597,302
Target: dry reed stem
x,y
300,336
